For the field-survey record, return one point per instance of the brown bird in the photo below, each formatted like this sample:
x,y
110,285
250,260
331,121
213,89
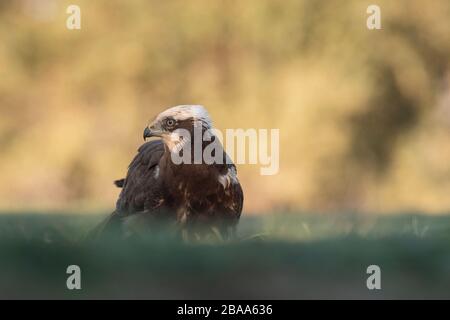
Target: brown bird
x,y
198,197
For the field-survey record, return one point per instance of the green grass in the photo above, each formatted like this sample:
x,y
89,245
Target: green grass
x,y
286,256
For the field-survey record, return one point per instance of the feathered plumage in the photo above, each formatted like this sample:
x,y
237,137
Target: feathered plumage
x,y
194,197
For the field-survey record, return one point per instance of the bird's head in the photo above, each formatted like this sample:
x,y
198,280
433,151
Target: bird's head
x,y
184,117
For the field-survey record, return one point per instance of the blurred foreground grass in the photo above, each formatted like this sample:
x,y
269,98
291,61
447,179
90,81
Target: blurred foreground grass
x,y
277,256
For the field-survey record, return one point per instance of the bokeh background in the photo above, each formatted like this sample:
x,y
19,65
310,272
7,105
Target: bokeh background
x,y
364,116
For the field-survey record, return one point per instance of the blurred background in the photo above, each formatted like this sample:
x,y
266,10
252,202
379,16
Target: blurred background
x,y
364,116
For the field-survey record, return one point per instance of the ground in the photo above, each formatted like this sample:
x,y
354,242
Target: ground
x,y
279,256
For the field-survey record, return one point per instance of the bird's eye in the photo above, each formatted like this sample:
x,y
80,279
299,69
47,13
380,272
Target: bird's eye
x,y
170,122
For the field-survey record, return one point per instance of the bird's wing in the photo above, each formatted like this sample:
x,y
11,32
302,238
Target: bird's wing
x,y
238,199
119,183
141,189
237,195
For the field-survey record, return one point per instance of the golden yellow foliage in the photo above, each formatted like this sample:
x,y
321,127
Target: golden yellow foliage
x,y
364,116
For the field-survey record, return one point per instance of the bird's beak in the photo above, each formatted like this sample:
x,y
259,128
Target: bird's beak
x,y
152,131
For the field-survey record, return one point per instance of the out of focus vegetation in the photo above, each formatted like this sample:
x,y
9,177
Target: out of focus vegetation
x,y
364,116
275,256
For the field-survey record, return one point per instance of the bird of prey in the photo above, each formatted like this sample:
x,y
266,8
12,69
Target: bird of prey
x,y
197,198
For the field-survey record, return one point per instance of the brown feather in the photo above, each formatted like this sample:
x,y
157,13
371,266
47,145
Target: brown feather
x,y
190,195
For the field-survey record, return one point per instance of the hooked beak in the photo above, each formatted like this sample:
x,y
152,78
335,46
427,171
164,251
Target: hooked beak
x,y
151,131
